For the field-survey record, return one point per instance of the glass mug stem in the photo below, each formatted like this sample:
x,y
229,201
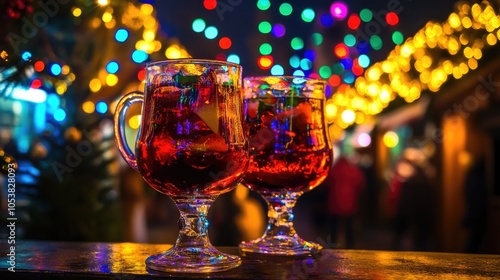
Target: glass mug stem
x,y
280,214
193,224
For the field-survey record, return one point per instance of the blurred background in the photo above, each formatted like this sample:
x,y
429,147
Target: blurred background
x,y
413,107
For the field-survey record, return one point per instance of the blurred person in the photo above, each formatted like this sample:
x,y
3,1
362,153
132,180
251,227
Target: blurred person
x,y
412,201
345,182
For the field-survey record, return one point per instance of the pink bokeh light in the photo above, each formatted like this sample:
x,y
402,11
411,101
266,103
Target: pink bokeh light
x,y
339,10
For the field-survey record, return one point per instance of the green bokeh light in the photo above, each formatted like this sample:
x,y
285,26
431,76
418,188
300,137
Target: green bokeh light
x,y
317,39
297,43
308,15
325,71
263,4
376,42
265,49
337,68
397,37
349,40
286,9
265,27
366,15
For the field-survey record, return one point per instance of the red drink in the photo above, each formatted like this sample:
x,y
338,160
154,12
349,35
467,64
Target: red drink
x,y
288,145
191,143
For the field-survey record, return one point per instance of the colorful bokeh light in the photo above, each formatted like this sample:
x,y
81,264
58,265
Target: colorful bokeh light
x,y
339,10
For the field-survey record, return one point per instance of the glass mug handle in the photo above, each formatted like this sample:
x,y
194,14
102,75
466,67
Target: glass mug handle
x,y
119,124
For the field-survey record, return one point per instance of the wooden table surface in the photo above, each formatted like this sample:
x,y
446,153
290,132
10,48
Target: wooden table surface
x,y
67,260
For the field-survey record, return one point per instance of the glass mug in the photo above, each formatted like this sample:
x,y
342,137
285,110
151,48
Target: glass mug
x,y
290,153
192,147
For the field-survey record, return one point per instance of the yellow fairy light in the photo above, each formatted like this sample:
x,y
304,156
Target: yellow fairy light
x,y
466,22
148,35
468,53
95,85
457,74
406,50
360,118
107,17
88,107
331,111
464,69
65,70
157,46
476,10
477,53
149,22
77,12
111,80
491,39
348,116
103,2
61,88
472,63
454,20
447,67
71,77
373,73
135,121
146,9
110,24
390,139
173,52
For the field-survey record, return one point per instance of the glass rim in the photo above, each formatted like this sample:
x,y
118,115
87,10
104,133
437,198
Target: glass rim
x,y
287,77
193,61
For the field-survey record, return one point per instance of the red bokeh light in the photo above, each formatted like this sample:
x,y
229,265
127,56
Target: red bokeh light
x,y
141,75
209,4
334,80
354,21
225,43
39,66
314,76
265,62
392,18
36,83
341,50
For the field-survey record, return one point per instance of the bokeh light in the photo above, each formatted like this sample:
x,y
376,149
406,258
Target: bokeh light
x,y
308,15
225,43
265,27
278,30
121,35
285,9
339,10
263,4
198,25
234,58
211,32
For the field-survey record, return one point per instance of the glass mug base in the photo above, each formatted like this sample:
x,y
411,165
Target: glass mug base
x,y
280,246
192,260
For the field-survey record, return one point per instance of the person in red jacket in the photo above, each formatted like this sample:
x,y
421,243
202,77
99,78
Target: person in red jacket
x,y
345,183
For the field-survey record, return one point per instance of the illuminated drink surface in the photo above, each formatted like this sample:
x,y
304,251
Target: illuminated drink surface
x,y
180,155
288,147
